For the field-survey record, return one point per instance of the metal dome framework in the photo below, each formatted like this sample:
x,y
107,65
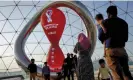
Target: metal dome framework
x,y
14,15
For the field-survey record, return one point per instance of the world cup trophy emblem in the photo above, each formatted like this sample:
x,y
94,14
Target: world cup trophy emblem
x,y
49,14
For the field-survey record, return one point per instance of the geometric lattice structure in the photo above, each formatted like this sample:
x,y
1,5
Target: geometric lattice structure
x,y
14,15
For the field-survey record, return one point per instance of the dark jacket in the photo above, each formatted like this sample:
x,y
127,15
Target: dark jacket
x,y
32,68
117,32
69,62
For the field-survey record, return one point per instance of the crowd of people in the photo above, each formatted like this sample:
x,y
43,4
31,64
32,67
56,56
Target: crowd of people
x,y
113,34
68,68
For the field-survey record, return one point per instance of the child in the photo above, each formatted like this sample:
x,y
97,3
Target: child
x,y
46,72
103,71
99,19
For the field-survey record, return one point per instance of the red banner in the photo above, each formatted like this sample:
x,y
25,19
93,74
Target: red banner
x,y
53,22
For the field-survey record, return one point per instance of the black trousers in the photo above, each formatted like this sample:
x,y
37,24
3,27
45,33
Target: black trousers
x,y
72,75
47,76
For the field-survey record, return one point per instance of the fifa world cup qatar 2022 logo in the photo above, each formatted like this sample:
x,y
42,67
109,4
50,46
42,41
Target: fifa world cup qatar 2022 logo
x,y
53,22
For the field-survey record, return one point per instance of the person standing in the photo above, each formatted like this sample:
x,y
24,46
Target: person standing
x,y
46,71
72,67
85,66
75,62
33,69
115,37
69,64
65,70
103,71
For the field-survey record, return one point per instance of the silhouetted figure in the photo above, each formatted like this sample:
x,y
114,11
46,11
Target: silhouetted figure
x,y
65,70
69,64
115,36
85,66
75,64
33,70
104,72
72,67
46,71
75,61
